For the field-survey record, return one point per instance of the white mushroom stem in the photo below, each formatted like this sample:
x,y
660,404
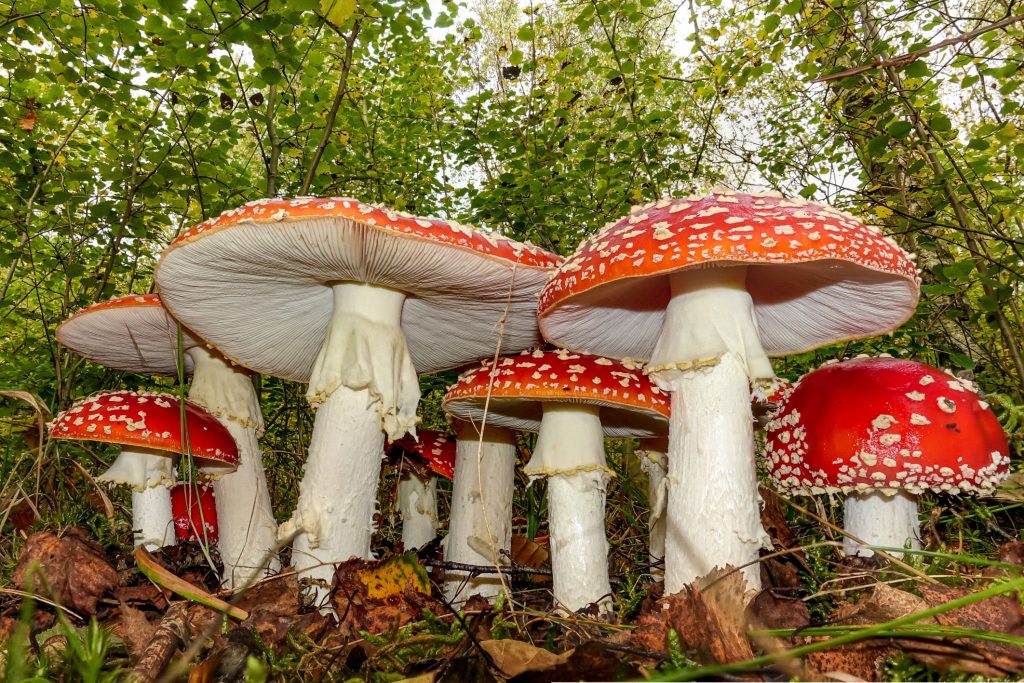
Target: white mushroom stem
x,y
149,473
707,355
362,379
152,521
480,523
570,453
417,504
654,461
247,528
881,520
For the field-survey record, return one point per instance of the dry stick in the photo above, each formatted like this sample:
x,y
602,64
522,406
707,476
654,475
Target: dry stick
x,y
172,633
910,57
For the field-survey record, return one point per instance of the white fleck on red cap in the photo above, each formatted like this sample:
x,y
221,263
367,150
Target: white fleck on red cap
x,y
434,448
256,281
631,404
148,420
842,279
133,333
885,423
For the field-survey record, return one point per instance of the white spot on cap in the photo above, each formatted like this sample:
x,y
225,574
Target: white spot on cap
x,y
946,405
883,421
915,395
918,419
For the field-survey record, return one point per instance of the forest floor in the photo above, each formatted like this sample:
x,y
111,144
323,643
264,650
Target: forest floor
x,y
77,611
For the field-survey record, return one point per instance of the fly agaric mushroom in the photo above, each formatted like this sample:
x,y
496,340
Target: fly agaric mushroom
x,y
417,491
194,508
148,426
355,299
136,333
572,401
706,288
882,431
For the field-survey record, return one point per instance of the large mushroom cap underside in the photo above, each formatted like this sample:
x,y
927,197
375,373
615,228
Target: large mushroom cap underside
x,y
513,394
258,281
134,333
152,421
885,423
816,275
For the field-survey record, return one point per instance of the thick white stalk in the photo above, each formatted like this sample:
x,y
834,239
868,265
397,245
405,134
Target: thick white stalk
x,y
570,453
248,530
417,504
881,520
338,491
480,524
708,354
654,460
363,381
152,521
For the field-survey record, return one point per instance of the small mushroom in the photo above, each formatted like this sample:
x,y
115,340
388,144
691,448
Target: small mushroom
x,y
573,401
137,334
434,454
882,431
194,508
148,427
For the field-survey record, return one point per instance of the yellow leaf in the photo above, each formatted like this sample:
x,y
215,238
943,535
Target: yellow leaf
x,y
337,11
883,211
392,577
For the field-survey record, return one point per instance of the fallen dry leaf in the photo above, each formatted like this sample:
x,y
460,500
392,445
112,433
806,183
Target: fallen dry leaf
x,y
514,657
74,571
708,615
274,611
987,658
527,553
378,595
591,661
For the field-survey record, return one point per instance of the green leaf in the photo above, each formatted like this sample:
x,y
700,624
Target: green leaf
x,y
962,361
526,33
337,11
877,145
900,129
940,123
270,75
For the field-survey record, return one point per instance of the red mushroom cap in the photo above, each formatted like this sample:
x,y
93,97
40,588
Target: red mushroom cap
x,y
436,449
610,296
631,404
148,420
194,509
885,423
280,256
133,333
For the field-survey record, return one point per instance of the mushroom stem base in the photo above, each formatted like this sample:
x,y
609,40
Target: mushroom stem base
x,y
152,521
480,526
417,503
333,518
881,520
579,547
713,507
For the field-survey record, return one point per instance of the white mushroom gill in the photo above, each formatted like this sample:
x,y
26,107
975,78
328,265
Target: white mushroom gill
x,y
708,354
364,385
248,531
570,453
